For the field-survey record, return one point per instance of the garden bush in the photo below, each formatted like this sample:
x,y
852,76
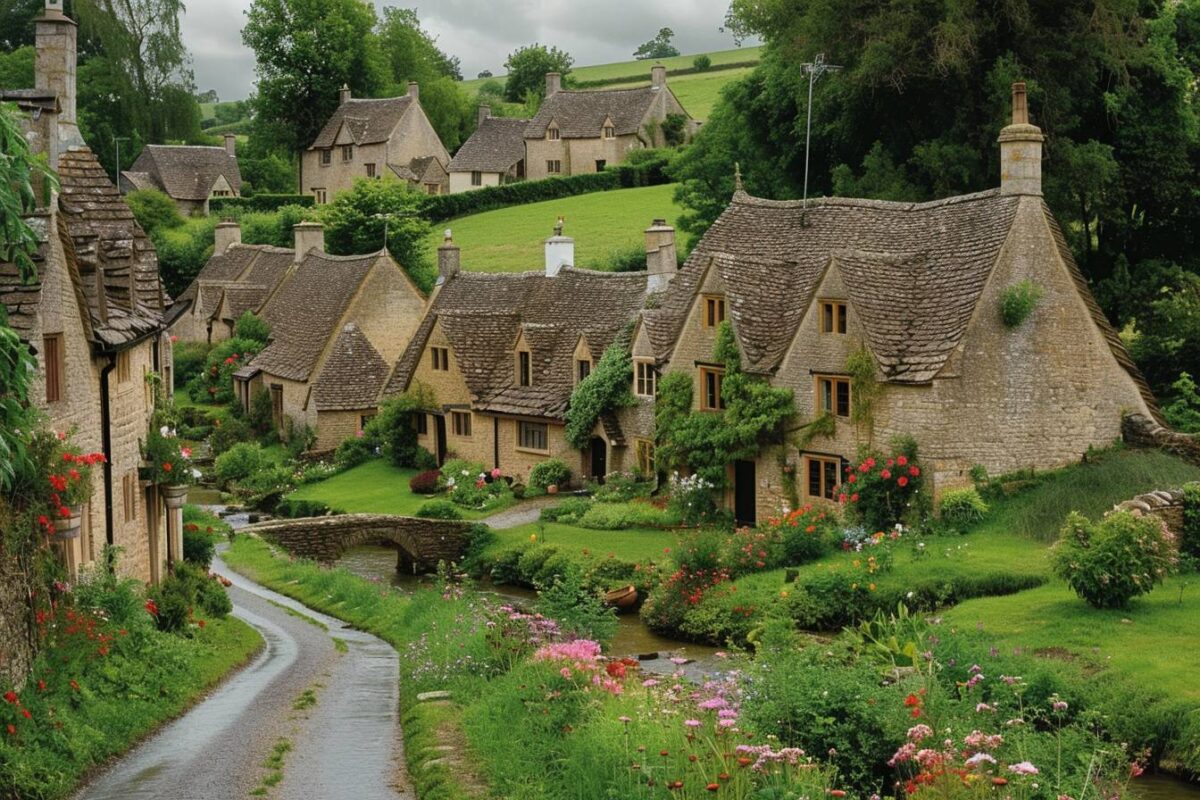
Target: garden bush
x,y
1110,562
621,487
962,506
189,360
353,451
261,415
394,431
293,508
239,462
881,491
620,516
702,63
251,327
551,472
568,511
425,482
1189,535
198,545
1018,301
439,509
577,608
219,206
227,432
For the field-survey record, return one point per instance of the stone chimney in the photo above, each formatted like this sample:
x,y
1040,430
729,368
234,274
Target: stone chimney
x,y
344,94
231,145
553,83
449,258
414,91
661,260
227,233
658,76
55,69
1021,149
309,236
485,112
560,251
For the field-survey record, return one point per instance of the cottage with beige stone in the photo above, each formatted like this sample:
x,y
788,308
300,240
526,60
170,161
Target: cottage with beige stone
x,y
190,175
95,318
375,138
918,286
494,154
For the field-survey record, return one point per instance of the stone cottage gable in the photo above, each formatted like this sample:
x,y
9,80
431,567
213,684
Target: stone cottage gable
x,y
352,375
582,114
363,122
496,146
185,172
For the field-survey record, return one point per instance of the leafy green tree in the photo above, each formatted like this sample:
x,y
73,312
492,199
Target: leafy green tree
x,y
527,67
357,221
252,327
16,68
305,51
658,47
16,28
154,211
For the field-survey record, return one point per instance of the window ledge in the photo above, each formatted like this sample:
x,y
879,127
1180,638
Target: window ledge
x,y
520,449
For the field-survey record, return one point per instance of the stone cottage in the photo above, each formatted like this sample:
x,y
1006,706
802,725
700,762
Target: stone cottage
x,y
576,132
373,138
333,319
502,352
494,154
95,319
189,175
237,278
919,287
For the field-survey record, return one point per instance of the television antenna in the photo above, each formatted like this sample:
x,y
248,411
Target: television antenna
x,y
815,69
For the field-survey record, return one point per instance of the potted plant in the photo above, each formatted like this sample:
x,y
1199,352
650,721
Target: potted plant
x,y
168,465
70,489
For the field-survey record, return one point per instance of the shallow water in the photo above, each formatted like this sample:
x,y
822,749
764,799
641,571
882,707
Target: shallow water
x,y
632,639
1164,787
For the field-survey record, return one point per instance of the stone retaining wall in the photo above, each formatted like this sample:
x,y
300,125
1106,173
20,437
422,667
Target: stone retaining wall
x,y
1165,504
423,542
1141,431
16,648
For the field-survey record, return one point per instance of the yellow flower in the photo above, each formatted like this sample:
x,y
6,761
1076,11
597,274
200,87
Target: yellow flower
x,y
533,537
783,593
871,587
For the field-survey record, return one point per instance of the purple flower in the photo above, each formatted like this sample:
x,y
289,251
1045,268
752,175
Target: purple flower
x,y
1023,768
692,723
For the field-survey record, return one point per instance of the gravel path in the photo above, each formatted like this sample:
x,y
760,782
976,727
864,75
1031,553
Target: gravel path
x,y
528,511
346,745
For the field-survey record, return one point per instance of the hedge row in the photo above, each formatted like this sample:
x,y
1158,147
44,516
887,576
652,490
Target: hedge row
x,y
650,172
645,76
259,202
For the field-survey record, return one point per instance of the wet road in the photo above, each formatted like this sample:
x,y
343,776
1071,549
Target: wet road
x,y
345,745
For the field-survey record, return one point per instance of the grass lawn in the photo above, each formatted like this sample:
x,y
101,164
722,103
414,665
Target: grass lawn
x,y
697,93
512,239
376,487
636,544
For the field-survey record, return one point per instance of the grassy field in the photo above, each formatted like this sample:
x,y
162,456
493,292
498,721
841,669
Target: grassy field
x,y
511,239
375,487
639,545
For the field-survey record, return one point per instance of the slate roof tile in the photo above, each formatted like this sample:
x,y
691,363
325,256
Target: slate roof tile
x,y
352,375
497,144
581,114
184,172
369,121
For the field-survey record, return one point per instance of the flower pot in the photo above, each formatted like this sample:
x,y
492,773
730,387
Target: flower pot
x,y
67,528
552,489
174,496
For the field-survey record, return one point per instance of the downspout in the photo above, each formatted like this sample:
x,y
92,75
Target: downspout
x,y
106,448
496,442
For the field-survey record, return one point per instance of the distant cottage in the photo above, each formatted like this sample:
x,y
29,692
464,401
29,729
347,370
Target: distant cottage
x,y
189,175
373,138
494,154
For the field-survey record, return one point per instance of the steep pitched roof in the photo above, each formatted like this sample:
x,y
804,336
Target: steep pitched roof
x,y
368,121
919,266
110,258
482,314
19,299
352,375
244,274
495,146
305,311
184,172
581,115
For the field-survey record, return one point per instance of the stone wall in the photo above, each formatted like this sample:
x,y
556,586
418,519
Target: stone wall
x,y
423,542
1167,505
1141,431
16,648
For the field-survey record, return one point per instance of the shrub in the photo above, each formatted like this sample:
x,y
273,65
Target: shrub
x,y
354,451
239,462
1110,562
1189,535
394,428
189,358
439,509
880,491
1018,301
424,460
227,433
215,383
702,63
578,609
962,506
259,202
154,211
568,511
425,482
198,546
605,389
295,508
299,439
551,472
619,516
806,534
252,327
261,416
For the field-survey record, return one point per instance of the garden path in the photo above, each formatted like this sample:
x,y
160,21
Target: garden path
x,y
526,512
346,745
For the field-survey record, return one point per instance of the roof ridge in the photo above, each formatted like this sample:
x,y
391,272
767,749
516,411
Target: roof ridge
x,y
744,198
340,259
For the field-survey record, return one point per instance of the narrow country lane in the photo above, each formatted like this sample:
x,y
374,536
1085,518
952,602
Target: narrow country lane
x,y
345,744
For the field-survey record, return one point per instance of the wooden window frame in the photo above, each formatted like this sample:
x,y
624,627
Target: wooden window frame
x,y
554,166
835,405
320,196
833,317
645,379
610,132
542,429
826,488
440,357
476,177
644,453
710,396
460,424
276,390
124,367
434,189
347,153
524,368
714,312
553,134
56,365
327,157
371,170
583,368
421,423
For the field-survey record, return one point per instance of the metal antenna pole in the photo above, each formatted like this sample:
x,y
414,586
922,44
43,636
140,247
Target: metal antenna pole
x,y
117,141
814,69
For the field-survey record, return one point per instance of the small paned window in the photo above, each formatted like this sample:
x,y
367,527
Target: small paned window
x,y
533,436
714,310
833,396
833,317
823,478
644,379
710,389
461,423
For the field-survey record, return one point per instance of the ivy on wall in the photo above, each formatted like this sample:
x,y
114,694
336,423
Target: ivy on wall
x,y
864,389
605,389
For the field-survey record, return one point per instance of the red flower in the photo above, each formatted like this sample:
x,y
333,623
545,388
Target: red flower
x,y
912,700
43,521
11,697
74,685
885,474
713,787
152,607
25,713
12,730
999,781
837,793
41,686
854,497
902,481
842,499
167,466
201,623
914,471
852,479
902,460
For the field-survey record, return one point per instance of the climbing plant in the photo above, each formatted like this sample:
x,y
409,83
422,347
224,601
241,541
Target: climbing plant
x,y
605,389
864,389
706,441
1018,301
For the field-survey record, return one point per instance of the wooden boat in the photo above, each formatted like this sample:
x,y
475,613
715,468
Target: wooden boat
x,y
623,599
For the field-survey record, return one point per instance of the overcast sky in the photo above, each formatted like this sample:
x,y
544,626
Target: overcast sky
x,y
480,32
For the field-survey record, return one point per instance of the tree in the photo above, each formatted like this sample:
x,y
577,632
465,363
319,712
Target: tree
x,y
527,67
305,51
209,96
485,73
658,47
16,28
356,222
16,68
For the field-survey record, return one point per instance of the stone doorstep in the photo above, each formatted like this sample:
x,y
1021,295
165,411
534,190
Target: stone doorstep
x,y
440,694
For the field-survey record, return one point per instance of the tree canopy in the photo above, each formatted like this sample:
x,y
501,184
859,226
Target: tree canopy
x,y
527,67
658,47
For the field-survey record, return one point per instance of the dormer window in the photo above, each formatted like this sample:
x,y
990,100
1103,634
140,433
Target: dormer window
x,y
347,152
552,133
610,132
644,379
833,316
524,368
714,310
583,368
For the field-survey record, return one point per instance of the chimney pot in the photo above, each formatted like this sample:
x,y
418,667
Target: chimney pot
x,y
560,250
449,258
308,236
231,145
344,94
661,255
553,83
414,90
227,233
1021,149
1020,104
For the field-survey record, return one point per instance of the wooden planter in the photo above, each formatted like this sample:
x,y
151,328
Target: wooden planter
x,y
175,496
67,528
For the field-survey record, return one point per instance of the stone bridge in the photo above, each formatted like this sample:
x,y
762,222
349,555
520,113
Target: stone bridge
x,y
422,542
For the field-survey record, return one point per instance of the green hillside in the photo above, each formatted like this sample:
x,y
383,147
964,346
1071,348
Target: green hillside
x,y
511,239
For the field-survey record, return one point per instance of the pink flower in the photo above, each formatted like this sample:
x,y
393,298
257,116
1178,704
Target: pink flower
x,y
496,472
1023,768
692,723
1059,705
186,452
358,434
565,672
649,683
